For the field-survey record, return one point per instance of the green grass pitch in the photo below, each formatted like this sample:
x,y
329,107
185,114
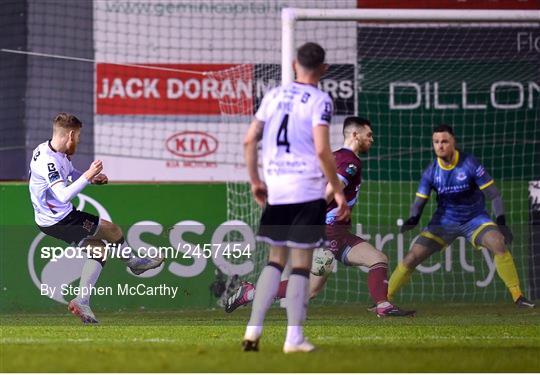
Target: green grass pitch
x,y
448,337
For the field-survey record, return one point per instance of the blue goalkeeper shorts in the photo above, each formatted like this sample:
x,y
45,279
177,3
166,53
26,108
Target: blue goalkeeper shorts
x,y
443,231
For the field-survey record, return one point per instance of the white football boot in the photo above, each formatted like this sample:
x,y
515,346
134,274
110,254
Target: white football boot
x,y
304,347
83,311
140,265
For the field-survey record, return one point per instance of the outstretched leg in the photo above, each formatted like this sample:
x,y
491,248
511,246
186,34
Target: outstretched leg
x,y
422,249
493,240
364,254
119,248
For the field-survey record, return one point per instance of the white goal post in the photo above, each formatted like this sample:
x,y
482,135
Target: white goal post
x,y
289,17
418,51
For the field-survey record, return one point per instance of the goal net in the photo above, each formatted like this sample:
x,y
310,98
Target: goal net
x,y
406,77
166,90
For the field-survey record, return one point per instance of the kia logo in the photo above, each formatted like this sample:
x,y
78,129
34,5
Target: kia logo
x,y
192,144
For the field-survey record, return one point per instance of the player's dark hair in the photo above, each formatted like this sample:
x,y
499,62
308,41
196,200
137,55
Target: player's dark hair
x,y
357,122
66,121
444,128
310,55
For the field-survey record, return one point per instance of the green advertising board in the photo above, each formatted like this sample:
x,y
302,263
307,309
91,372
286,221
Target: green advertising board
x,y
146,214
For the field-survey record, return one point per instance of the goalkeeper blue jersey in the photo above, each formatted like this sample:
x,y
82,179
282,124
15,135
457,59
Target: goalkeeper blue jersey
x,y
458,188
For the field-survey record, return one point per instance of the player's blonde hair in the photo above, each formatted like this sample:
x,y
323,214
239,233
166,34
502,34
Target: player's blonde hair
x,y
66,122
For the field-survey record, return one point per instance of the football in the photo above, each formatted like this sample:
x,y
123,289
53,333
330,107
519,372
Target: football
x,y
323,262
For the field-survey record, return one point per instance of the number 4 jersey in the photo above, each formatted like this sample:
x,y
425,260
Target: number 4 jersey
x,y
290,164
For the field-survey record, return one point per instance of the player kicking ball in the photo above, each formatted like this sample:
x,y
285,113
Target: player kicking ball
x,y
344,246
51,194
461,183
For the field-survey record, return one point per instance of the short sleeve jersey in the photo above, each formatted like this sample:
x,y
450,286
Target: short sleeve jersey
x,y
48,167
458,187
290,164
349,170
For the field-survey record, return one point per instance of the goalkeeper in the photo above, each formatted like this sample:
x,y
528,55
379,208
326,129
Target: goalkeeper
x,y
349,249
461,183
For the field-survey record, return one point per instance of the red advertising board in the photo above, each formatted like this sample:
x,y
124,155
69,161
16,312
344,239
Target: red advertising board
x,y
169,89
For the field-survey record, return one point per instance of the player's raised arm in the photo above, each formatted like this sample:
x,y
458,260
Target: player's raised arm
x,y
100,179
66,193
321,140
253,136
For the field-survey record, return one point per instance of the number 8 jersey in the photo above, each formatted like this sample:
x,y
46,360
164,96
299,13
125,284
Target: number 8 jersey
x,y
290,164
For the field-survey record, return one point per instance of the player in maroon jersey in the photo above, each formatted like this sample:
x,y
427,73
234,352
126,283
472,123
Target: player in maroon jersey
x,y
346,247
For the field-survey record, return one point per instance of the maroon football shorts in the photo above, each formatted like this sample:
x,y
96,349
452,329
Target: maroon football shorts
x,y
340,241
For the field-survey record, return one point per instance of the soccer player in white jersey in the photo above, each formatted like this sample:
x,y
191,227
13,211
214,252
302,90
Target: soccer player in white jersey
x,y
51,193
292,123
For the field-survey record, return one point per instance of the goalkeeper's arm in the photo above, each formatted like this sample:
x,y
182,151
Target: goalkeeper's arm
x,y
414,214
494,195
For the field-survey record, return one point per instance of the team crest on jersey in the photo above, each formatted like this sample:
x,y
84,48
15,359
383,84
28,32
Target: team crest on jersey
x,y
351,169
461,176
88,225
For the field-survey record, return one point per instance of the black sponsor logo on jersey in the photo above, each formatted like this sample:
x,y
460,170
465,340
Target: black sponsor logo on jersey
x,y
327,112
338,82
53,176
351,169
51,167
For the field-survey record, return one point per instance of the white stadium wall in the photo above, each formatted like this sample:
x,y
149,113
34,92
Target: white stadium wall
x,y
138,109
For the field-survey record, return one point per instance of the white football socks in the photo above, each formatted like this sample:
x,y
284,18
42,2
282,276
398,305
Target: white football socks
x,y
89,276
297,301
267,287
